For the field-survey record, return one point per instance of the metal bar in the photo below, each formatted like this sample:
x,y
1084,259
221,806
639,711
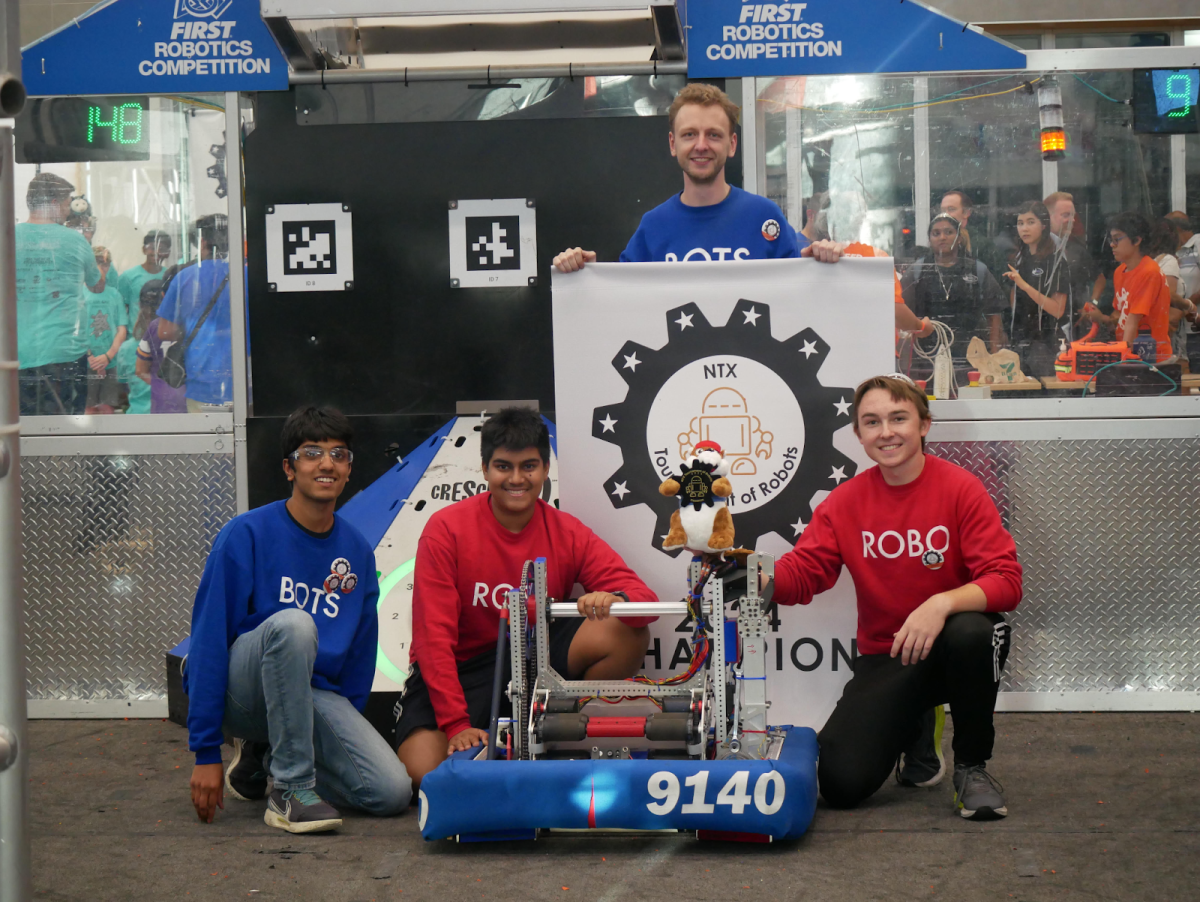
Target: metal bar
x,y
921,186
1112,58
794,140
482,73
124,445
1065,430
237,298
159,424
361,9
15,884
1179,172
996,408
627,608
717,669
1049,177
751,177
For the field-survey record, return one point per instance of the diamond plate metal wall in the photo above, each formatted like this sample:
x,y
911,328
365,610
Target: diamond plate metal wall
x,y
114,547
1106,533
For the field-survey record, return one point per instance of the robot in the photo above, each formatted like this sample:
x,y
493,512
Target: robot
x,y
725,419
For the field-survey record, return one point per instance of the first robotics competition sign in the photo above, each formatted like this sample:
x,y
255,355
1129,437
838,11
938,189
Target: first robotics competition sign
x,y
735,38
761,357
157,47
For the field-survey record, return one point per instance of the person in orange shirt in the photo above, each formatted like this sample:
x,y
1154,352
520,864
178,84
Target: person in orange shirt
x,y
1142,301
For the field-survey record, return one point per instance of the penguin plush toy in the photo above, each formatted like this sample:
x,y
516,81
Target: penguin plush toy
x,y
703,523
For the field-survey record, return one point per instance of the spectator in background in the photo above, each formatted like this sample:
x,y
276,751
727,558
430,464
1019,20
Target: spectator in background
x,y
956,289
128,359
1188,253
107,328
151,348
1142,300
53,265
209,360
1087,281
1039,293
1161,247
156,246
976,244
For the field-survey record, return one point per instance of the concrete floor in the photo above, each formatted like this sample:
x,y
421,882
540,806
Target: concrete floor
x,y
1102,806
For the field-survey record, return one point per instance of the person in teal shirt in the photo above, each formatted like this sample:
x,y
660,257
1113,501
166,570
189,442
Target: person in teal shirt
x,y
54,264
156,245
127,357
107,329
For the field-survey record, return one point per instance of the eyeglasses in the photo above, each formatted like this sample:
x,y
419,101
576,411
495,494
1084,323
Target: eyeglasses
x,y
339,455
1113,242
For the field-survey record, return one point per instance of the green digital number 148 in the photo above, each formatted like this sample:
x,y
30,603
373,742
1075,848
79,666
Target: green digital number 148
x,y
126,123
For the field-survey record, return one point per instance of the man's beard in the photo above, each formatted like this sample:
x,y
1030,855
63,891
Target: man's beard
x,y
702,180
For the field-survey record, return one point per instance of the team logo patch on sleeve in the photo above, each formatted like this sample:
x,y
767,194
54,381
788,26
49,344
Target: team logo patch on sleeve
x,y
340,578
770,229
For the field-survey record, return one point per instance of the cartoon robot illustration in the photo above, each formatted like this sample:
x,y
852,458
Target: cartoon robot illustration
x,y
725,419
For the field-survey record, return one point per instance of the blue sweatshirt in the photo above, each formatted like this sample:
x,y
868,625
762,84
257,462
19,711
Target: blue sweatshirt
x,y
263,562
741,227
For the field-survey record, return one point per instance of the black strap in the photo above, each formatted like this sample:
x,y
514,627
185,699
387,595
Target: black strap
x,y
187,342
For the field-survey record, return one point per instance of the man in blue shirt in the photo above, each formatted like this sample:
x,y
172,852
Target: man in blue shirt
x,y
284,638
209,359
710,219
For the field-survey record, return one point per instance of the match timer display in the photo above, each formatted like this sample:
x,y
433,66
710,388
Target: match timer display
x,y
1165,101
83,129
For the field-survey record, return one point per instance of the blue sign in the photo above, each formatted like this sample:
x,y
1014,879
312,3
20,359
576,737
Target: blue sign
x,y
157,47
735,38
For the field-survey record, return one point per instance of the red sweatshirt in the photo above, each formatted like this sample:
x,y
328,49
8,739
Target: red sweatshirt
x,y
884,534
466,564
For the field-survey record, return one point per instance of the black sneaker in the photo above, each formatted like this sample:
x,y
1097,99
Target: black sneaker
x,y
977,794
246,776
923,763
300,811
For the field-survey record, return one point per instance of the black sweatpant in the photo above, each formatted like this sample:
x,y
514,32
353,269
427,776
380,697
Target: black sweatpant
x,y
877,715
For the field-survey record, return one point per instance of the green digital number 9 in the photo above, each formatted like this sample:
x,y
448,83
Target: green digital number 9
x,y
1181,97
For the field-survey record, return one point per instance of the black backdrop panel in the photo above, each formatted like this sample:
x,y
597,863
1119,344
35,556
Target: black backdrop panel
x,y
404,343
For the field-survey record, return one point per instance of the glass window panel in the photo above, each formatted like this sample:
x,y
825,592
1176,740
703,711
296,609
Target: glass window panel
x,y
1024,41
109,191
1097,40
460,101
846,141
849,142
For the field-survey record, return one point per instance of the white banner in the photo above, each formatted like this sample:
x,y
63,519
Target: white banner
x,y
759,356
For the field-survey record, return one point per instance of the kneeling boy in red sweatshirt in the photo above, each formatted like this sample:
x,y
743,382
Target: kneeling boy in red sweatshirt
x,y
469,556
933,568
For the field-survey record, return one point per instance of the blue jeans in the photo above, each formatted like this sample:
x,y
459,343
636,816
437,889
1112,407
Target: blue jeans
x,y
318,739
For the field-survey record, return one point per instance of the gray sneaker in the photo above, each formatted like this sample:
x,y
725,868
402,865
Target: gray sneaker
x,y
246,776
977,794
300,811
923,763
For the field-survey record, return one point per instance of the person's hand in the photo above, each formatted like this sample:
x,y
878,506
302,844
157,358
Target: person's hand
x,y
98,364
926,327
915,638
824,251
1014,275
1093,313
573,259
595,605
466,739
208,790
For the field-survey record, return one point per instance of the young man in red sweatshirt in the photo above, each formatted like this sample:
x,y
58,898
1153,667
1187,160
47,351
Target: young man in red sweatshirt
x,y
469,557
933,568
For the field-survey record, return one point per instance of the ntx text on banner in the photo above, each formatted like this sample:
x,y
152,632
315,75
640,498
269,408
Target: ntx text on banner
x,y
760,356
732,38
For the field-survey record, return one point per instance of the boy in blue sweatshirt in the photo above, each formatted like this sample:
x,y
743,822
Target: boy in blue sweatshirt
x,y
284,638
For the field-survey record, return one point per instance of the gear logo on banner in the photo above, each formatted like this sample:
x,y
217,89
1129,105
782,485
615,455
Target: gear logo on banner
x,y
201,9
759,398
